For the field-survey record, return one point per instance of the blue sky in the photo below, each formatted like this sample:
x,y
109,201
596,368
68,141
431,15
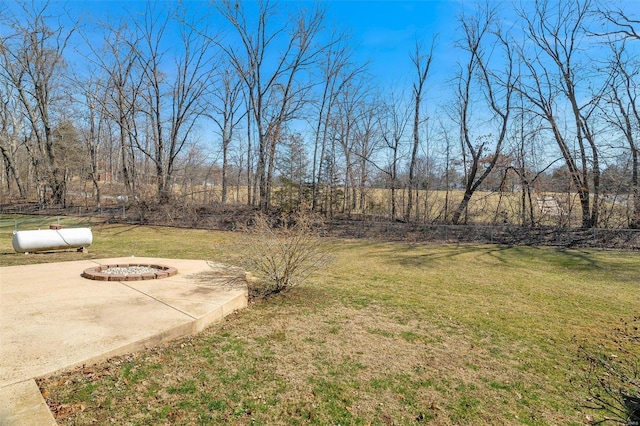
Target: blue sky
x,y
386,31
383,31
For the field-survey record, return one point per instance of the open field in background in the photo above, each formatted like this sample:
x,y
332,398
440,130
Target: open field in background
x,y
387,333
432,206
485,207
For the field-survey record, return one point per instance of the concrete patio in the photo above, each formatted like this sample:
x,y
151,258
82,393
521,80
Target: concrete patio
x,y
52,319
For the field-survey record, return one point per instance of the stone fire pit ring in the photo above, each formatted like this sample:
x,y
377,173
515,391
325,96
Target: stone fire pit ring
x,y
129,272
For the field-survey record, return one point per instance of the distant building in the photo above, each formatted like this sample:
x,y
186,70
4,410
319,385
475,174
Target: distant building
x,y
549,206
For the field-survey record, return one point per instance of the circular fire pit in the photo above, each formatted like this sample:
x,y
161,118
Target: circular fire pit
x,y
129,272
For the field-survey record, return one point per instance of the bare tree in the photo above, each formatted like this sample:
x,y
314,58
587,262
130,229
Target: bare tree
x,y
448,172
623,114
422,65
116,61
479,149
526,134
553,68
394,121
624,26
10,128
225,113
367,143
621,98
172,96
277,91
31,59
351,123
93,97
336,71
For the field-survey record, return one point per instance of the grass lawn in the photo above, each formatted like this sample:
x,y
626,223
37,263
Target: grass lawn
x,y
386,334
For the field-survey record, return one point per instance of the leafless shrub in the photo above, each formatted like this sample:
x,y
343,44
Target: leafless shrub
x,y
282,252
610,377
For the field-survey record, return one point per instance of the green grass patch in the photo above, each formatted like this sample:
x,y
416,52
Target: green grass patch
x,y
184,388
388,333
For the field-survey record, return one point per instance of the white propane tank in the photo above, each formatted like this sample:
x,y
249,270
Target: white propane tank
x,y
51,239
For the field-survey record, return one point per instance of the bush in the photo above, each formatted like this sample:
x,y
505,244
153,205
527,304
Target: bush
x,y
610,381
282,252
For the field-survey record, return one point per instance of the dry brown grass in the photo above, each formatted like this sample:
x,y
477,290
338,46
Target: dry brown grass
x,y
334,364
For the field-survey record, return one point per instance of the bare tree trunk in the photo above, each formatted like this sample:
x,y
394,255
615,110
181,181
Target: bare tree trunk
x,y
92,138
225,105
9,126
395,119
422,65
476,31
10,171
251,178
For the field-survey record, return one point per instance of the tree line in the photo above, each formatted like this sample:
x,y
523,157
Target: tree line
x,y
276,111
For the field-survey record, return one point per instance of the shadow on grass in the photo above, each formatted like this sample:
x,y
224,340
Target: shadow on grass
x,y
432,255
127,229
429,256
573,259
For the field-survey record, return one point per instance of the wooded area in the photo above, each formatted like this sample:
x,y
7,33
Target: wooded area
x,y
539,125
